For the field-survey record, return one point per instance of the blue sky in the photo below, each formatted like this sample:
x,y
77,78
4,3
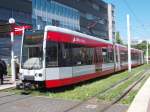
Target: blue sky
x,y
140,25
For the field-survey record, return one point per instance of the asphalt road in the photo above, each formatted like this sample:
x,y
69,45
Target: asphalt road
x,y
26,103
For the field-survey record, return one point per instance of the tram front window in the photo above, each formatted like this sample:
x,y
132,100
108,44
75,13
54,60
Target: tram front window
x,y
32,52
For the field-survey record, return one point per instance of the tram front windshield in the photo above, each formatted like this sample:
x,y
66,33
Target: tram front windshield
x,y
32,51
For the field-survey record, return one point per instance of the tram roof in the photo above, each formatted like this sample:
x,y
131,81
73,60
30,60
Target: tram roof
x,y
127,47
82,35
71,32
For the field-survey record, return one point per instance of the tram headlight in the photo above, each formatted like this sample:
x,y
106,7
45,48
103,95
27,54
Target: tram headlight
x,y
40,75
36,75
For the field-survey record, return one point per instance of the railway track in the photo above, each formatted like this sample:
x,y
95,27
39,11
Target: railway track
x,y
13,100
122,82
7,95
124,93
142,75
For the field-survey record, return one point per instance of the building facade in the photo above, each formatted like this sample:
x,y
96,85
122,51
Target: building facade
x,y
93,17
21,11
111,23
54,13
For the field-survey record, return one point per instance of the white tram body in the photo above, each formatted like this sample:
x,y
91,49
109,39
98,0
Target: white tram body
x,y
57,57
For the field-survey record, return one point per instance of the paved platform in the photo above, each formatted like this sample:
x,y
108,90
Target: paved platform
x,y
7,84
141,103
25,103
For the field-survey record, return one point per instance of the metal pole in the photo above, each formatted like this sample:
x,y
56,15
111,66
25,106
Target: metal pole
x,y
23,31
13,72
12,58
147,52
129,42
114,47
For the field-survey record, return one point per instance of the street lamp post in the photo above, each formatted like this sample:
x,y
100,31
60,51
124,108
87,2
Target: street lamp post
x,y
13,72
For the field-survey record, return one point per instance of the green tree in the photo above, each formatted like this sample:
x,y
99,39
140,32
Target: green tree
x,y
142,46
118,38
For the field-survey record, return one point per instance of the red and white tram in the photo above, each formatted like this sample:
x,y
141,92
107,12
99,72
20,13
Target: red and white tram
x,y
57,57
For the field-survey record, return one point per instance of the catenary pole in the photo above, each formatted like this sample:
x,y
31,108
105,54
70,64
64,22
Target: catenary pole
x,y
13,72
129,42
147,52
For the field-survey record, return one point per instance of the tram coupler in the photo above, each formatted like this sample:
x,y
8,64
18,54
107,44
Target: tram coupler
x,y
24,85
27,85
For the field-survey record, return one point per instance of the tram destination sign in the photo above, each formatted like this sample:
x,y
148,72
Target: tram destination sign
x,y
5,28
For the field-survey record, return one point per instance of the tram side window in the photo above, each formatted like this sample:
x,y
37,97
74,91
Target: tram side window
x,y
65,54
135,56
98,55
116,56
132,56
51,54
108,56
105,55
82,55
111,56
123,56
77,54
126,56
90,55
